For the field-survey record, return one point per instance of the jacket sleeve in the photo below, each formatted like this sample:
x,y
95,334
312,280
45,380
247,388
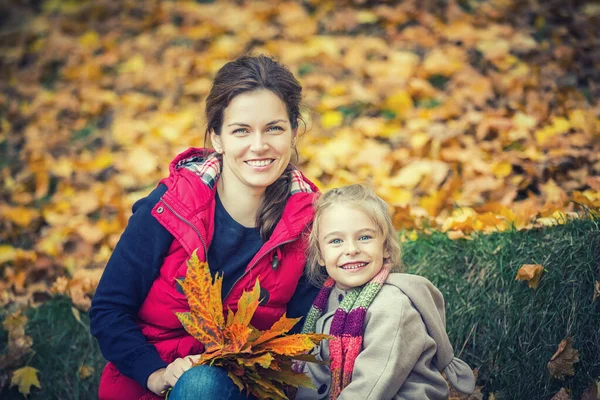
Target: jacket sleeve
x,y
127,278
395,344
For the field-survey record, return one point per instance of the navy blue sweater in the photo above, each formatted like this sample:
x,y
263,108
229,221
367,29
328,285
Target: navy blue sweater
x,y
135,264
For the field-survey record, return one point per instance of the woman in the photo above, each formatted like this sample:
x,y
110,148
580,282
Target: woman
x,y
244,207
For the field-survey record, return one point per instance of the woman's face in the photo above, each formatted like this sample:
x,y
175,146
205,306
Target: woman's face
x,y
255,141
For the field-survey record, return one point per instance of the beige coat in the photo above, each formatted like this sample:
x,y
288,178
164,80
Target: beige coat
x,y
405,347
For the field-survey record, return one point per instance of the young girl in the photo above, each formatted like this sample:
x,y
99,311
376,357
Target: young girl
x,y
389,337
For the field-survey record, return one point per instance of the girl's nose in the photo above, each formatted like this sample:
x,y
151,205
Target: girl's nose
x,y
352,249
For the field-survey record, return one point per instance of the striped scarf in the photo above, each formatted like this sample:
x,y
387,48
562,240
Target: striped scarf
x,y
347,327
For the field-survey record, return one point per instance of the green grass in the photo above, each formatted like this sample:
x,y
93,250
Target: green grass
x,y
508,330
497,324
61,346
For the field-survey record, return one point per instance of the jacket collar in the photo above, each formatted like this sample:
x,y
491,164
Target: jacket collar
x,y
206,164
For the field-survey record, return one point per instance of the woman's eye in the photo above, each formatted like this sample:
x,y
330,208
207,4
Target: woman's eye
x,y
274,128
240,131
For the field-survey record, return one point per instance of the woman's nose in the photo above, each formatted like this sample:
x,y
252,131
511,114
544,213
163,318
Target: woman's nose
x,y
258,143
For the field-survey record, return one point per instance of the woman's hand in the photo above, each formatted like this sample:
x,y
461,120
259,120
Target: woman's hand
x,y
164,378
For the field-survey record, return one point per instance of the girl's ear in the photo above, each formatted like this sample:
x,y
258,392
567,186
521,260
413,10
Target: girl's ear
x,y
216,141
386,252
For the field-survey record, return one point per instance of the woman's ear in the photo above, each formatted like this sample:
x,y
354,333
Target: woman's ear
x,y
216,141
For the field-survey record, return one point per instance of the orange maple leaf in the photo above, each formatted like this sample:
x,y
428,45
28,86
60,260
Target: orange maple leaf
x,y
259,361
205,320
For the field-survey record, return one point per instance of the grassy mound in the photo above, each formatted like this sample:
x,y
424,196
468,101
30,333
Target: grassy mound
x,y
501,326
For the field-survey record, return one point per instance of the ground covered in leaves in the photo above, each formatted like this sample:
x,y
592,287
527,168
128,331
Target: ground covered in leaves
x,y
466,115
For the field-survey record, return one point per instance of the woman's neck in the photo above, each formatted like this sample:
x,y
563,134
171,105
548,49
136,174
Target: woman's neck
x,y
241,205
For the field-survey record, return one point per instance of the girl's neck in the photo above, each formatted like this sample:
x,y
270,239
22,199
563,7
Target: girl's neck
x,y
241,205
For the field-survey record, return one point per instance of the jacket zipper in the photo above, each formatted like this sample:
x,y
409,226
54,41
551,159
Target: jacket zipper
x,y
191,226
253,264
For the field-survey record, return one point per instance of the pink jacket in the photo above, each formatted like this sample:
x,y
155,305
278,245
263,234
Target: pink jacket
x,y
186,210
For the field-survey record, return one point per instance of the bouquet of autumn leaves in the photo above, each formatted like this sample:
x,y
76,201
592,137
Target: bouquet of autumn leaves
x,y
259,361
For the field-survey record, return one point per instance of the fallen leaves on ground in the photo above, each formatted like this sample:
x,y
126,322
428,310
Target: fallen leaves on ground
x,y
259,361
563,394
19,344
562,362
25,378
531,273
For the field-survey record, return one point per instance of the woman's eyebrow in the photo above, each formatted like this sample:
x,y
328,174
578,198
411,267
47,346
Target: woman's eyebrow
x,y
269,123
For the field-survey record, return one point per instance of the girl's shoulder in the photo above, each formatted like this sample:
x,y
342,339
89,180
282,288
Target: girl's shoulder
x,y
410,282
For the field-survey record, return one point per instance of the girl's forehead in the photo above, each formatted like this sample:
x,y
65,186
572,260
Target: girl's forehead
x,y
347,213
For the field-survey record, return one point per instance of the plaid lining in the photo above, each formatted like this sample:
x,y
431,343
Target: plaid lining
x,y
209,170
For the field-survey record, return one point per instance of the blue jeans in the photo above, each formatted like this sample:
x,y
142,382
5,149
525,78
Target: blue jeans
x,y
204,382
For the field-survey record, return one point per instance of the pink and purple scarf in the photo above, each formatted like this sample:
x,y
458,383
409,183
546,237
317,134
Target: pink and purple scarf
x,y
347,327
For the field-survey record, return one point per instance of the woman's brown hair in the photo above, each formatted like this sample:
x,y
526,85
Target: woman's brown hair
x,y
247,74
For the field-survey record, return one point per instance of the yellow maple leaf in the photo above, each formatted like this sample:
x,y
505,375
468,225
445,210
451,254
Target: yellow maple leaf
x,y
532,273
25,378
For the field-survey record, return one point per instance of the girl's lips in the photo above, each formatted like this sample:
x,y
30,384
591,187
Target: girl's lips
x,y
354,266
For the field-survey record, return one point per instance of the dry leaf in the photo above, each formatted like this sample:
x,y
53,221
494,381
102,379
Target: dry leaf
x,y
25,378
563,394
596,291
592,392
86,371
562,362
532,273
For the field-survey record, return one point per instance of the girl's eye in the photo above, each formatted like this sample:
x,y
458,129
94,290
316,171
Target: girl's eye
x,y
365,237
335,241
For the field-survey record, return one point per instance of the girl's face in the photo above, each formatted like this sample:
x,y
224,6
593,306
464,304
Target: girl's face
x,y
255,140
351,244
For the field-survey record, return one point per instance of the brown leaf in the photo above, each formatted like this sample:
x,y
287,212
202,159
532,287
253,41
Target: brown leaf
x,y
591,393
562,394
562,362
86,371
532,273
596,291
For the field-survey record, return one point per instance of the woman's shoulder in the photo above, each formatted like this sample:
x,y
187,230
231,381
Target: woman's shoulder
x,y
192,177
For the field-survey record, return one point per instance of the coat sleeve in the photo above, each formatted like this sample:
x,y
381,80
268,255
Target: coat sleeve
x,y
395,344
127,278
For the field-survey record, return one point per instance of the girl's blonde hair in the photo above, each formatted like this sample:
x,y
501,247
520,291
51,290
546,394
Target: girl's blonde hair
x,y
363,198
